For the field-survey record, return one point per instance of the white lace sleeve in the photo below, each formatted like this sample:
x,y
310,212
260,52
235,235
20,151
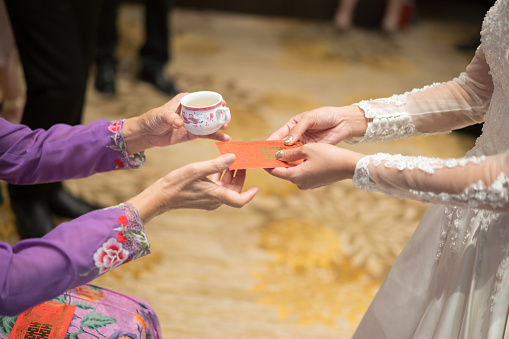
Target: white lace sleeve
x,y
476,182
438,108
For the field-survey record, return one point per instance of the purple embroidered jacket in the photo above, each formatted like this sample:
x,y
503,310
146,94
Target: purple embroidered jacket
x,y
35,270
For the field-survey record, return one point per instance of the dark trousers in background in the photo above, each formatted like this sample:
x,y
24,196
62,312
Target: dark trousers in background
x,y
56,44
154,52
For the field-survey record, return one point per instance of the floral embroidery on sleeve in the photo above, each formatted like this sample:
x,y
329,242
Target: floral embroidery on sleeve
x,y
129,243
125,160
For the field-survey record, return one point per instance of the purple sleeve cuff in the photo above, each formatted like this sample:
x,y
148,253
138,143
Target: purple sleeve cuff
x,y
63,152
125,161
36,270
128,243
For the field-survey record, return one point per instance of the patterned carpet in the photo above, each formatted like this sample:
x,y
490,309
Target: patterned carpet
x,y
291,264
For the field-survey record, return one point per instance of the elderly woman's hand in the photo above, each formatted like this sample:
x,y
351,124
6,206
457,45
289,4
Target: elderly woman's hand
x,y
161,126
197,185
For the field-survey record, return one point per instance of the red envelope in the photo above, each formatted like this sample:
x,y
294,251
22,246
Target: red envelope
x,y
48,320
257,154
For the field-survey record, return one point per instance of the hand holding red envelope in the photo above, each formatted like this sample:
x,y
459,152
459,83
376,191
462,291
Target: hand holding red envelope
x,y
257,154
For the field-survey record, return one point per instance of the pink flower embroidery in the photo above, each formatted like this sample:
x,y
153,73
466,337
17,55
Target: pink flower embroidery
x,y
110,255
114,127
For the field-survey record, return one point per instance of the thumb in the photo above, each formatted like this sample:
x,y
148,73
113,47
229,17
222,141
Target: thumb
x,y
175,120
290,155
216,165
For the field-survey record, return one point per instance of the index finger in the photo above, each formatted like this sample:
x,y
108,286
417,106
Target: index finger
x,y
280,133
210,167
175,101
299,129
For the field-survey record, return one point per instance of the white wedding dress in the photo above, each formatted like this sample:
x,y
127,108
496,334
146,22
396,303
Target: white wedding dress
x,y
452,278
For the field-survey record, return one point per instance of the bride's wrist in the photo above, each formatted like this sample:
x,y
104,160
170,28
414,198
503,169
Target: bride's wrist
x,y
357,121
353,160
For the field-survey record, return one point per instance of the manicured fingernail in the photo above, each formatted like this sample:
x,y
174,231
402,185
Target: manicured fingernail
x,y
279,154
288,139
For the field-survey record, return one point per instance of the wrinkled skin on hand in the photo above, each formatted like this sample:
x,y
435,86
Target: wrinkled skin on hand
x,y
162,126
203,185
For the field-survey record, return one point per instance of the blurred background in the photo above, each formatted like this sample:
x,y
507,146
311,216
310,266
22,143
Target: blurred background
x,y
291,264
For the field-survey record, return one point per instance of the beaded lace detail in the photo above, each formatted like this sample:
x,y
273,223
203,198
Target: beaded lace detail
x,y
401,162
476,195
451,229
388,125
495,43
424,164
495,32
502,267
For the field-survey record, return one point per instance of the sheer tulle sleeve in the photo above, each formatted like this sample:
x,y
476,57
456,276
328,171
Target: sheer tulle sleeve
x,y
476,182
437,108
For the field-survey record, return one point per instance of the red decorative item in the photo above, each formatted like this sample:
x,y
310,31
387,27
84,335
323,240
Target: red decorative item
x,y
121,238
119,163
49,320
122,220
114,127
257,154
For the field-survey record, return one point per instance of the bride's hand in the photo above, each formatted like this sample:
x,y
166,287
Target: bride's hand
x,y
202,185
328,125
323,165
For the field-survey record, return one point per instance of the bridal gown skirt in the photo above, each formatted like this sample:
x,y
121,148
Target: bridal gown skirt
x,y
450,281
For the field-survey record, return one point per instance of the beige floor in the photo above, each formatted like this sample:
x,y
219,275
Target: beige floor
x,y
291,264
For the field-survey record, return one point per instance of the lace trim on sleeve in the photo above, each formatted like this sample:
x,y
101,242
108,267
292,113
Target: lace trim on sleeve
x,y
388,124
129,244
477,195
125,161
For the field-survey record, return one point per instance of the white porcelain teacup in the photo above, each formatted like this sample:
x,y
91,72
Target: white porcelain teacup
x,y
203,112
